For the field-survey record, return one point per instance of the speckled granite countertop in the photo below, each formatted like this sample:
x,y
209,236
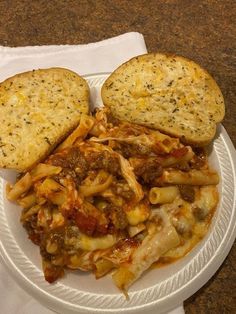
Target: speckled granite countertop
x,y
204,31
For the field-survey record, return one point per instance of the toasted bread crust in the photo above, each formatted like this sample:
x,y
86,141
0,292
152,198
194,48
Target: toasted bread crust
x,y
38,110
166,92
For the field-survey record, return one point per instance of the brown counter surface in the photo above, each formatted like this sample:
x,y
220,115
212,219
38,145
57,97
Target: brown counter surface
x,y
204,31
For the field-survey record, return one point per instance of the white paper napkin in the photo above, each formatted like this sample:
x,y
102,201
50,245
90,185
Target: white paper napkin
x,y
103,56
100,57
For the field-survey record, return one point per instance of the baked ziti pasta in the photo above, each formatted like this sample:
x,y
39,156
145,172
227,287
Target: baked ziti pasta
x,y
116,196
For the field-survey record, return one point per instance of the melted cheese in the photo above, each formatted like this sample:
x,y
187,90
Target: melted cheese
x,y
208,198
90,244
189,226
153,246
138,214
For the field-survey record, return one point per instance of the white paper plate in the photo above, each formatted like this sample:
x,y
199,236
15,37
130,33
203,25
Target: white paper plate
x,y
160,289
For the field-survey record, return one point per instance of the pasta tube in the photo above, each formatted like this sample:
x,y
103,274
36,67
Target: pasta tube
x,y
193,177
173,160
86,124
89,190
150,250
44,170
27,201
20,187
163,195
